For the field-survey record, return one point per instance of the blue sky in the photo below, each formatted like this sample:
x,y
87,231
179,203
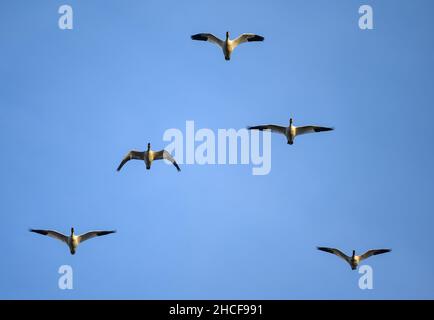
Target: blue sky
x,y
72,103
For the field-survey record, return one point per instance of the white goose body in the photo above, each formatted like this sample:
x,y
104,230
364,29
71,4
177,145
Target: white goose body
x,y
73,243
227,45
73,240
291,131
149,157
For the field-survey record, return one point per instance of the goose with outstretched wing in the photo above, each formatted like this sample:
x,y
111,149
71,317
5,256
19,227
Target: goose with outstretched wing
x,y
73,240
291,131
354,260
227,45
148,156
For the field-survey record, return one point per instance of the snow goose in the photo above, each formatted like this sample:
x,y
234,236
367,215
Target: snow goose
x,y
148,156
292,131
228,45
73,240
354,260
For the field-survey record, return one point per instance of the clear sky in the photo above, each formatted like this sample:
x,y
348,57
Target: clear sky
x,y
73,102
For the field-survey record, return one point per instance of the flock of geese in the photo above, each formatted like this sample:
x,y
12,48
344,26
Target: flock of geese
x,y
148,156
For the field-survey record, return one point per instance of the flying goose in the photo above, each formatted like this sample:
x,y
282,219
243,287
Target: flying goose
x,y
292,131
354,260
72,241
148,156
228,45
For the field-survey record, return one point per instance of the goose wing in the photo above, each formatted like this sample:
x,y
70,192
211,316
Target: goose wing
x,y
247,37
132,155
272,127
163,154
373,252
208,37
52,234
336,252
93,234
311,129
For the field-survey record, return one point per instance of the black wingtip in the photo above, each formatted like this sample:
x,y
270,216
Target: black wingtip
x,y
383,251
256,38
199,37
253,128
260,128
103,233
322,129
43,232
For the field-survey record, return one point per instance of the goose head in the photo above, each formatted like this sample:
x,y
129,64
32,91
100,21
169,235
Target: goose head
x,y
290,121
227,35
354,254
72,231
149,146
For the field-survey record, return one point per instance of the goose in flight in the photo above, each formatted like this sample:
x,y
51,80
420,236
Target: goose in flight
x,y
148,156
228,45
73,240
354,260
292,131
